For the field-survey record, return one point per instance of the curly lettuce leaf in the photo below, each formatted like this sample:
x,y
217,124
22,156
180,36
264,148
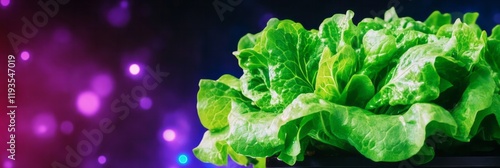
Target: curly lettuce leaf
x,y
281,65
405,39
379,48
358,91
492,55
334,72
478,96
339,30
253,129
414,80
468,46
214,101
479,123
495,33
368,24
437,20
248,41
230,81
214,149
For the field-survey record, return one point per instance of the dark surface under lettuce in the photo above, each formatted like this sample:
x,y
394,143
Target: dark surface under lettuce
x,y
386,89
477,153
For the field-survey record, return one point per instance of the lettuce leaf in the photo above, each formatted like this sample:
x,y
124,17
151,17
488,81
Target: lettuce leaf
x,y
334,72
281,65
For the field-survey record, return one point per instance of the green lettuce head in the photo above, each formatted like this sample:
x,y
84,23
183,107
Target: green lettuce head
x,y
379,87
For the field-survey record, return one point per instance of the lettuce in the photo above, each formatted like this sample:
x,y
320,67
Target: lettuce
x,y
379,88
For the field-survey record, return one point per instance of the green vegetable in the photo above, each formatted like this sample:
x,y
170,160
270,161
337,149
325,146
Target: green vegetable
x,y
380,88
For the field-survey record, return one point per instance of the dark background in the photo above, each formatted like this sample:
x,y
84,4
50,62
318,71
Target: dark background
x,y
185,38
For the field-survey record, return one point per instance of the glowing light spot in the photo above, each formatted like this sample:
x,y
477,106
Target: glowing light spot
x,y
44,125
124,4
118,16
101,159
496,18
134,69
41,129
168,135
88,103
183,159
67,127
8,164
25,55
102,84
5,2
146,103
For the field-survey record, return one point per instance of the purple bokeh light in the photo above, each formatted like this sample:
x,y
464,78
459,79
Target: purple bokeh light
x,y
25,55
180,128
5,2
134,69
146,103
168,135
102,84
101,159
67,127
88,103
118,16
44,125
8,164
124,4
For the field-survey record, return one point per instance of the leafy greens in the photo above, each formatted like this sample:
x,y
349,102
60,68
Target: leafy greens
x,y
380,88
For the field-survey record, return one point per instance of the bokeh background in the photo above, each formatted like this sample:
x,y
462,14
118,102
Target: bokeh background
x,y
86,64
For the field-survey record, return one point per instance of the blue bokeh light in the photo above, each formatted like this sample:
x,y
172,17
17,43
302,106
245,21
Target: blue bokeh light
x,y
183,159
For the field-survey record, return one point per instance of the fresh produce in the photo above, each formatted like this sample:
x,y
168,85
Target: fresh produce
x,y
379,87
